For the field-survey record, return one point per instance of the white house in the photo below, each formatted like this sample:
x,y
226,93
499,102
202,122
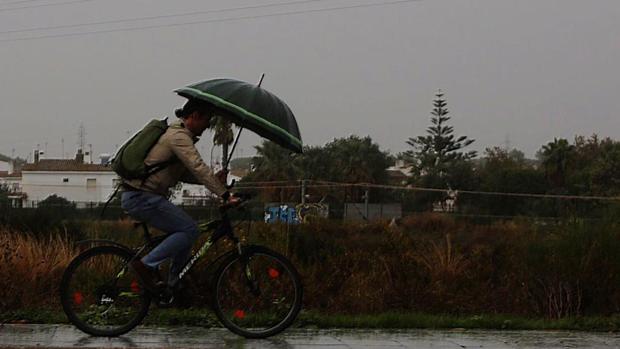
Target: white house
x,y
4,166
197,194
74,180
12,183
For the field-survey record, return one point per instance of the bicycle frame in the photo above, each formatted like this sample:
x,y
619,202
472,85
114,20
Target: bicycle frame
x,y
221,227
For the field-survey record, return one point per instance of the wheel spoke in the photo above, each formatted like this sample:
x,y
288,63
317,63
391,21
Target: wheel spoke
x,y
258,295
99,294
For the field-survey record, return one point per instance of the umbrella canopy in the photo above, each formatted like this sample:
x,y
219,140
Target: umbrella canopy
x,y
250,106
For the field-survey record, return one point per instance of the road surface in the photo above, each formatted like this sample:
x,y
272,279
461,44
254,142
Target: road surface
x,y
66,336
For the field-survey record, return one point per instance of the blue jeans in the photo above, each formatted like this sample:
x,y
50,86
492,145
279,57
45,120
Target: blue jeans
x,y
160,213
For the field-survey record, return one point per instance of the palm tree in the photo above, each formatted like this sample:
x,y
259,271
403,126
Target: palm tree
x,y
556,157
223,135
272,162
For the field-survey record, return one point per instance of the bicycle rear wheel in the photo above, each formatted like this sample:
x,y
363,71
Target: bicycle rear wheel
x,y
257,294
101,295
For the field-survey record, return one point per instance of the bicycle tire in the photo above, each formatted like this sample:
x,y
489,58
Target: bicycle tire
x,y
79,281
270,271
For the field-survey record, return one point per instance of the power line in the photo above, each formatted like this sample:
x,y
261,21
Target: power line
x,y
217,20
328,184
17,2
136,19
42,5
3,3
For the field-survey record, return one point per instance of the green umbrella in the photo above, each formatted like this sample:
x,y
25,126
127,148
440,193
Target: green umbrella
x,y
250,106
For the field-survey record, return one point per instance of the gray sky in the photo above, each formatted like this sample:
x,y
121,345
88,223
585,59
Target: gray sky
x,y
522,71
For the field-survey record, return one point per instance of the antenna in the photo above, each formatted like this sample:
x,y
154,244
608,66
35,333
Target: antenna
x,y
82,136
507,143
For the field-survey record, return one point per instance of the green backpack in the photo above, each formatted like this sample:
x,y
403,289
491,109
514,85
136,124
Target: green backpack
x,y
128,162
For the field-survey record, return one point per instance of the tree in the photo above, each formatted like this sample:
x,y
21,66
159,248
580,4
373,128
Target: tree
x,y
55,201
223,136
273,163
356,160
508,171
439,150
351,160
4,195
555,157
595,166
437,158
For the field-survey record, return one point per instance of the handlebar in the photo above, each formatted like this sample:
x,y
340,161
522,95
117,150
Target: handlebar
x,y
243,198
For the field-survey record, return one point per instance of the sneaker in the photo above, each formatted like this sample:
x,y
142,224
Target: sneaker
x,y
148,276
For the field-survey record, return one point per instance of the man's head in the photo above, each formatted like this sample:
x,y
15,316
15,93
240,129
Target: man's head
x,y
196,115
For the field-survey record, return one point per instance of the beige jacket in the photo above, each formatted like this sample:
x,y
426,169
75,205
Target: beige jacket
x,y
177,142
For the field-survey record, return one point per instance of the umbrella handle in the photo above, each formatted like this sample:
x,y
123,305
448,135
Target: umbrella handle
x,y
230,154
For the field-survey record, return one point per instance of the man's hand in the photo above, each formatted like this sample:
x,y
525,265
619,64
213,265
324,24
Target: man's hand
x,y
230,202
233,200
222,176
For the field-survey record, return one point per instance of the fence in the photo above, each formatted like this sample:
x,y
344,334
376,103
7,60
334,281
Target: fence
x,y
366,201
294,202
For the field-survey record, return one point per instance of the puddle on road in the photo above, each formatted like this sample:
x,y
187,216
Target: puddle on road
x,y
176,337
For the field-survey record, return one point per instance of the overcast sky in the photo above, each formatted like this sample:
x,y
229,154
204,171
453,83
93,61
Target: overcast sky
x,y
517,72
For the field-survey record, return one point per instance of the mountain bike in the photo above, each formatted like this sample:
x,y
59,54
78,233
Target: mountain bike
x,y
256,292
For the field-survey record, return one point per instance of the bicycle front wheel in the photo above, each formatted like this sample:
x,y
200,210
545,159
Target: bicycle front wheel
x,y
257,294
101,295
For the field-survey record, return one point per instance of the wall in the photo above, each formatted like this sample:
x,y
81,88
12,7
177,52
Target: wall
x,y
357,211
41,184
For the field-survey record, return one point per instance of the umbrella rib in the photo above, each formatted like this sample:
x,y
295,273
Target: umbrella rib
x,y
253,116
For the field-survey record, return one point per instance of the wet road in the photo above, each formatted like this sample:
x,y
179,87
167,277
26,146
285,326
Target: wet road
x,y
65,336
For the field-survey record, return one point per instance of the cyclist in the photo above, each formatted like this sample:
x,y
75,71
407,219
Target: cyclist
x,y
147,199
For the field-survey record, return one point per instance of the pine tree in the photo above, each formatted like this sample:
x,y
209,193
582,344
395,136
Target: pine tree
x,y
438,151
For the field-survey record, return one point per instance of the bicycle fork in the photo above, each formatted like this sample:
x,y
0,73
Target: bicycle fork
x,y
250,281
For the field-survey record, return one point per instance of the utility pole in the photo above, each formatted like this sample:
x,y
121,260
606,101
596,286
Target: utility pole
x,y
366,200
303,191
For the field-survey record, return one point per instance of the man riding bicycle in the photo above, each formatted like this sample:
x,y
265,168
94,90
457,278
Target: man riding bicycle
x,y
147,199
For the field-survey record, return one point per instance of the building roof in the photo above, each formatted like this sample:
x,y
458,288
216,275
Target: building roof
x,y
64,165
239,172
396,174
6,174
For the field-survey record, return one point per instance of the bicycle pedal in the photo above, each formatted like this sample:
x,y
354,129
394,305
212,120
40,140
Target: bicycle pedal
x,y
166,299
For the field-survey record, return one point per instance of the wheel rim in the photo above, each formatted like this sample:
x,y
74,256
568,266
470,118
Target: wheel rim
x,y
261,304
103,294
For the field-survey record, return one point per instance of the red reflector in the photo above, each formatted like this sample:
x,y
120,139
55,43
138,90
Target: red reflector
x,y
273,273
239,314
135,287
78,298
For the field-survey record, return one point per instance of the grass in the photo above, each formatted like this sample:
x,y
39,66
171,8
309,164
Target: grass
x,y
393,320
427,265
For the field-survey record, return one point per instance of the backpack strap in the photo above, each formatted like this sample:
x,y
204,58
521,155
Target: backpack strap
x,y
152,169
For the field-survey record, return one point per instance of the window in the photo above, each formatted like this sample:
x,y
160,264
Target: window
x,y
91,183
65,180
